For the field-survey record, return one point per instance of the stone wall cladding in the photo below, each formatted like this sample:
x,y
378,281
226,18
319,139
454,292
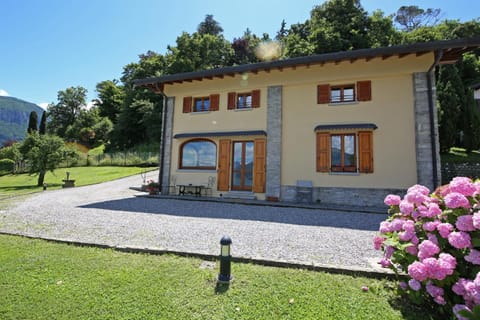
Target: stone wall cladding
x,y
274,141
168,145
367,197
422,131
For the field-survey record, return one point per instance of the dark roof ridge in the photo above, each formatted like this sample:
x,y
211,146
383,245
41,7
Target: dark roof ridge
x,y
462,45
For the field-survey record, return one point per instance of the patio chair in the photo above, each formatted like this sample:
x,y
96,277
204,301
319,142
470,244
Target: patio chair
x,y
210,186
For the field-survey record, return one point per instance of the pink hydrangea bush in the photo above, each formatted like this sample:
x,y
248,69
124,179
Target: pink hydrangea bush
x,y
434,240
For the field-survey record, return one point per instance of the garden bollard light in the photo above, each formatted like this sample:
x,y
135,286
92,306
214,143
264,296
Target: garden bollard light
x,y
45,186
225,260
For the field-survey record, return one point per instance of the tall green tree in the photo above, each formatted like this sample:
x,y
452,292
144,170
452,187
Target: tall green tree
x,y
32,122
209,26
110,99
339,25
65,111
413,17
450,95
244,48
43,123
43,153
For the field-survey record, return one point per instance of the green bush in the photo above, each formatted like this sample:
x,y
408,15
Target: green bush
x,y
6,166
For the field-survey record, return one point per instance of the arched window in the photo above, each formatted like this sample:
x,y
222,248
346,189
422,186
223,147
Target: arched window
x,y
198,154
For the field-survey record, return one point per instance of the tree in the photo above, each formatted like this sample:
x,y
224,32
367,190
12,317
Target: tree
x,y
90,128
32,122
413,17
244,48
63,114
381,32
339,25
110,99
450,99
43,123
209,26
282,33
43,153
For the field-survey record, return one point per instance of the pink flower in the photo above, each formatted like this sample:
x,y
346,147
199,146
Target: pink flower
x,y
427,249
405,236
415,196
434,291
473,257
403,285
397,224
414,284
385,263
476,220
459,307
456,200
406,207
409,226
413,250
477,186
465,223
463,186
431,225
385,227
440,300
377,242
459,240
432,238
433,210
477,280
417,271
447,261
415,240
419,188
459,287
444,229
392,200
389,251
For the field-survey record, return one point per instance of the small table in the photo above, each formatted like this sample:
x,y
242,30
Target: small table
x,y
194,189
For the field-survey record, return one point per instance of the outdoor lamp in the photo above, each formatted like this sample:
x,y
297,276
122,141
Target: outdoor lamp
x,y
225,260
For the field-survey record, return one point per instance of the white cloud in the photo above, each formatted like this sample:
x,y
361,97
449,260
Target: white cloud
x,y
43,105
3,93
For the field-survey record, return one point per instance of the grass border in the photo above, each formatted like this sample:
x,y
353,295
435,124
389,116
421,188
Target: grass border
x,y
363,272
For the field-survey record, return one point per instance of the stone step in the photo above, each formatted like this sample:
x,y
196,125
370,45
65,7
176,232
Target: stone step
x,y
239,195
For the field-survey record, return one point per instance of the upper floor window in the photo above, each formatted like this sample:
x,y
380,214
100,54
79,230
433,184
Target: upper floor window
x,y
361,91
244,100
198,154
201,104
345,93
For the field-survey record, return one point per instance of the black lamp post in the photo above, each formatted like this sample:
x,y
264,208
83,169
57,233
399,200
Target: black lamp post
x,y
225,260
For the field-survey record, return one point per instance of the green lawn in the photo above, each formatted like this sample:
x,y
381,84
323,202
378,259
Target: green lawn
x,y
45,280
458,155
24,183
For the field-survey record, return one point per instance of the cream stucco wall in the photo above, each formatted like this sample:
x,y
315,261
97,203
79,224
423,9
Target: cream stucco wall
x,y
391,109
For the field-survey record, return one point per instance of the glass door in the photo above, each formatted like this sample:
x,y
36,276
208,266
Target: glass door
x,y
242,169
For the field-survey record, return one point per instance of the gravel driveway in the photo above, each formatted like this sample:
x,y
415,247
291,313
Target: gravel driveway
x,y
110,214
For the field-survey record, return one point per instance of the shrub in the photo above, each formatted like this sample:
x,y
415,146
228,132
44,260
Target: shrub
x,y
6,166
434,240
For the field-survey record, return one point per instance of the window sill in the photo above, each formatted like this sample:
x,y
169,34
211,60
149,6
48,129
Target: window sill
x,y
197,170
200,112
333,104
243,109
344,173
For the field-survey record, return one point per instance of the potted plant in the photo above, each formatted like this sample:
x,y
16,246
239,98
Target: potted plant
x,y
153,187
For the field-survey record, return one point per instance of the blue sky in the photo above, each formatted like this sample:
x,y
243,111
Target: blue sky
x,y
50,45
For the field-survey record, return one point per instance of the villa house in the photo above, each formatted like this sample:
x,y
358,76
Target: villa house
x,y
354,125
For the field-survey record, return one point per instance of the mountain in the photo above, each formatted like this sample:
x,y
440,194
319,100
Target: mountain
x,y
14,115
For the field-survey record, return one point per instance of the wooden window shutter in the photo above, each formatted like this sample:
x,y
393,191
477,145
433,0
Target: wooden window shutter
x,y
214,102
323,151
232,100
256,99
323,93
259,165
187,104
365,145
224,165
364,90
